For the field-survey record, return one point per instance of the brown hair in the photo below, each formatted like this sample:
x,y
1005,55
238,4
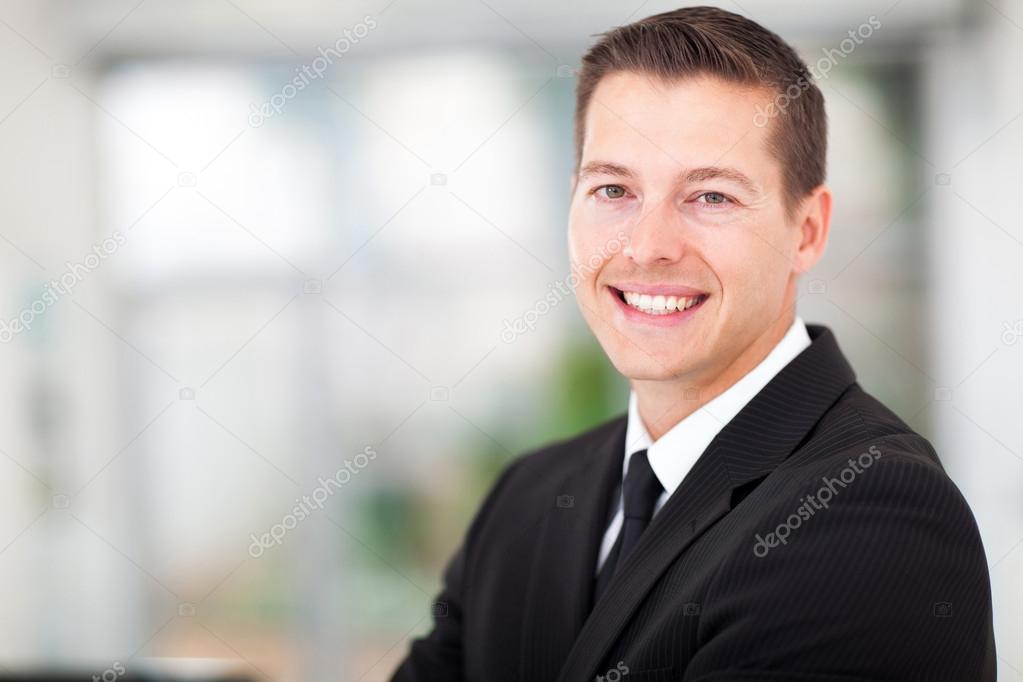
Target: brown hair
x,y
696,41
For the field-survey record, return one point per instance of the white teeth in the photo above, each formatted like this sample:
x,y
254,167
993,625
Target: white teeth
x,y
659,305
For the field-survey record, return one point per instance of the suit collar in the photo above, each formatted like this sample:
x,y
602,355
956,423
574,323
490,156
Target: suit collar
x,y
792,403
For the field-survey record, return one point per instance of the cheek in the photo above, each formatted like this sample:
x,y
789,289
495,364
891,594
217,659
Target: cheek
x,y
587,239
749,269
776,263
597,234
577,245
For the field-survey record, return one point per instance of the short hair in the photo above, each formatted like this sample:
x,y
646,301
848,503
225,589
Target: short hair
x,y
708,41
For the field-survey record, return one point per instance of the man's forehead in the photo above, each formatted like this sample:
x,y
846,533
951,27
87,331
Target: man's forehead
x,y
637,92
698,121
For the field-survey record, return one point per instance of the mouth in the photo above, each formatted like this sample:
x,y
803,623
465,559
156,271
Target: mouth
x,y
658,304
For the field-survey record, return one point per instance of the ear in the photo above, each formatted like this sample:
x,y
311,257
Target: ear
x,y
814,217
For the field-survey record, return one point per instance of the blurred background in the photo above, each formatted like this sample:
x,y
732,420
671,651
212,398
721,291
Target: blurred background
x,y
257,263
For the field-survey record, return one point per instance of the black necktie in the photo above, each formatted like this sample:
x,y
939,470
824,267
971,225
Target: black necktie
x,y
640,494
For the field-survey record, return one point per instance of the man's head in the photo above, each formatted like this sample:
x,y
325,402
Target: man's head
x,y
699,177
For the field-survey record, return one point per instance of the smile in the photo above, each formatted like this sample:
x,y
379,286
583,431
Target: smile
x,y
667,306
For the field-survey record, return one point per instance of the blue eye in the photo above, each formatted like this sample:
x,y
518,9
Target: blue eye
x,y
611,192
714,198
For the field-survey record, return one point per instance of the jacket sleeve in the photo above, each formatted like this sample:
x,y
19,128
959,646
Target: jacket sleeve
x,y
437,656
886,579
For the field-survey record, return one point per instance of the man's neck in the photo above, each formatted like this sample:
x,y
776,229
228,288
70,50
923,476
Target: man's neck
x,y
663,404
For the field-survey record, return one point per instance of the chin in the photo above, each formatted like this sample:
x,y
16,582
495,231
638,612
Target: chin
x,y
640,367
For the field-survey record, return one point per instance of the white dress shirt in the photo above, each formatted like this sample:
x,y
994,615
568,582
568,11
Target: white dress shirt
x,y
672,455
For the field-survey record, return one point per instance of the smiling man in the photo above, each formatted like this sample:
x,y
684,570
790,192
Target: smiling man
x,y
755,514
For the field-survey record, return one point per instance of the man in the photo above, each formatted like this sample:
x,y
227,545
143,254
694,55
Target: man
x,y
755,515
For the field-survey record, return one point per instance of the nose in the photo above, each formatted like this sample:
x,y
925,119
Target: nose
x,y
657,237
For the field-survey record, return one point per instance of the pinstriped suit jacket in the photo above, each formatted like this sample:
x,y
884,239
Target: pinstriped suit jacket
x,y
818,538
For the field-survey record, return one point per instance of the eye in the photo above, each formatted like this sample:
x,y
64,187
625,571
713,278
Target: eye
x,y
609,192
715,198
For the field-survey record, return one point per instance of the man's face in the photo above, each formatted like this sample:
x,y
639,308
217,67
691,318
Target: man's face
x,y
678,202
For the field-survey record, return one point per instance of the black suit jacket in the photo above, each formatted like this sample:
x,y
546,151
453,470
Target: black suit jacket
x,y
739,576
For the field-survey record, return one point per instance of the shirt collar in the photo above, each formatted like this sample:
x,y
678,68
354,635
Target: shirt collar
x,y
672,455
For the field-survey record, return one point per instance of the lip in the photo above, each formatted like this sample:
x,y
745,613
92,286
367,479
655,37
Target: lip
x,y
658,289
668,319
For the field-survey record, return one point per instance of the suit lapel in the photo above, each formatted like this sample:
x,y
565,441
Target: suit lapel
x,y
569,533
763,434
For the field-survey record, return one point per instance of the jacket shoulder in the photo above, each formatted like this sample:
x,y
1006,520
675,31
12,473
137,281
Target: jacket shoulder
x,y
858,420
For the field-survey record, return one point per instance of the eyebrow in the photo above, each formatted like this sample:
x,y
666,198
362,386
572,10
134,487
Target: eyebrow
x,y
605,168
689,175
